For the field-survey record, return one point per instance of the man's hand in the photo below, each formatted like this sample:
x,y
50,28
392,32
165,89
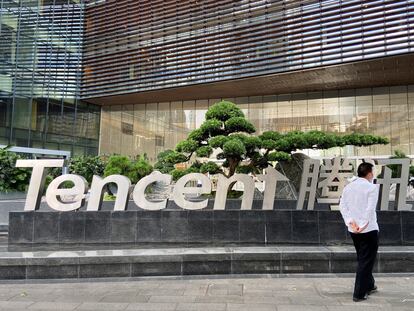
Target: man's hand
x,y
363,228
355,228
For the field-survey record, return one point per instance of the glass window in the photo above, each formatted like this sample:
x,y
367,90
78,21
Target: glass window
x,y
284,113
127,130
189,116
115,132
151,125
256,112
177,121
381,105
163,135
5,111
270,117
140,134
331,111
399,104
105,144
22,113
300,112
201,109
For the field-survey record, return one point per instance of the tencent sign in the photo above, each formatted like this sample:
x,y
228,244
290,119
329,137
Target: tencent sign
x,y
330,177
80,188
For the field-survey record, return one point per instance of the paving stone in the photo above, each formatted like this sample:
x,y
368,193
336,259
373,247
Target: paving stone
x,y
301,308
151,306
326,293
251,306
54,306
222,299
15,305
201,306
125,297
102,306
172,298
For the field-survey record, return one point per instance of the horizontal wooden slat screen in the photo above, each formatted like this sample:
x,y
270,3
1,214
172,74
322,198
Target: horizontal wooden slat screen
x,y
133,46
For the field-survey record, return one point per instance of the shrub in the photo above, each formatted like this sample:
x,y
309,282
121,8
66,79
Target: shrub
x,y
87,166
133,169
12,178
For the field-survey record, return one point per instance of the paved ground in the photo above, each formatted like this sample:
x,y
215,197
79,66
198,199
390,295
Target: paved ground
x,y
239,294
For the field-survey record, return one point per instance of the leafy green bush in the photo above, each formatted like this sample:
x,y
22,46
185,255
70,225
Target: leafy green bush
x,y
140,168
123,165
395,168
87,166
12,178
117,164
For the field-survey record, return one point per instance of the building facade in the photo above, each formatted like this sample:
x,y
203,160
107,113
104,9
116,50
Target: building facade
x,y
145,72
334,65
40,77
385,111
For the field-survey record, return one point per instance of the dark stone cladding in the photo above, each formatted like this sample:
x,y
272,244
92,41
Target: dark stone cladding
x,y
106,229
198,261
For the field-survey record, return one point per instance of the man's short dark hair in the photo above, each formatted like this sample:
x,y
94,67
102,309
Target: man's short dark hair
x,y
364,169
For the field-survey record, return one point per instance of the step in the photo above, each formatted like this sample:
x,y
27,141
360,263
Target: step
x,y
196,261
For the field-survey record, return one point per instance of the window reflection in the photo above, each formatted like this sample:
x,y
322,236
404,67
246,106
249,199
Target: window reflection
x,y
373,110
40,68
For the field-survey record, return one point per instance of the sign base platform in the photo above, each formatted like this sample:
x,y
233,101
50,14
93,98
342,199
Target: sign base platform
x,y
197,261
126,229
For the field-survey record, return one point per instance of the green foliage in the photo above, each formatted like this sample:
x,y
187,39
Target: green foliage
x,y
250,143
297,140
87,166
218,141
140,168
227,130
210,167
245,169
211,127
395,168
196,135
357,139
412,171
163,164
133,169
223,111
234,148
118,164
11,177
177,174
204,151
239,124
187,146
167,159
278,156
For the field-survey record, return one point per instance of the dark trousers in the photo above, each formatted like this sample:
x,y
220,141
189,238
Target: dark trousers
x,y
366,245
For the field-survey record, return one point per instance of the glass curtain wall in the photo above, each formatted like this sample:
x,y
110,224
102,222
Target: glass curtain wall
x,y
40,73
153,127
149,45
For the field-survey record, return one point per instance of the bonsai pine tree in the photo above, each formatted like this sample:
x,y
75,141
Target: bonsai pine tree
x,y
227,134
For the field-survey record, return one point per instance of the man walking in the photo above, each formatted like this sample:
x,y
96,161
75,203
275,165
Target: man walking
x,y
358,204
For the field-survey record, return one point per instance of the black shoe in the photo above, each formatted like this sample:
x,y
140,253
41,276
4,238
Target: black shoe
x,y
355,299
373,290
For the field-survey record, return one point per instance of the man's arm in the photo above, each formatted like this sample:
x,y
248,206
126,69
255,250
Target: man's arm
x,y
371,205
344,208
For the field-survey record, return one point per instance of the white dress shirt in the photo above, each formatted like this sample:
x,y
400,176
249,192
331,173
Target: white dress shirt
x,y
358,202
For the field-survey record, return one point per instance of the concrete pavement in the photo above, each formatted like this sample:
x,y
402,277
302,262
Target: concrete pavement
x,y
262,293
